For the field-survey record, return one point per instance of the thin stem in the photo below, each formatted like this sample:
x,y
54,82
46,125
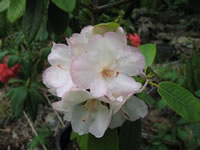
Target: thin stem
x,y
110,5
153,84
58,116
88,7
33,129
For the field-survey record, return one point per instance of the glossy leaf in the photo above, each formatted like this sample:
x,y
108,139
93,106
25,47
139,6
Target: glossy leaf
x,y
180,100
32,104
33,18
130,135
12,60
15,10
109,141
18,100
82,140
65,5
16,80
149,52
3,54
4,4
105,27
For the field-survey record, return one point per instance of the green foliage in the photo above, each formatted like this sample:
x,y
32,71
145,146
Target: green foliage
x,y
149,52
32,18
107,142
19,95
4,4
130,135
82,140
105,27
180,100
3,54
41,138
15,10
12,60
65,5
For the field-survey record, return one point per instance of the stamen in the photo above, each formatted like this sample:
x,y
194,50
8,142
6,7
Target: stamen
x,y
117,73
109,73
90,104
62,67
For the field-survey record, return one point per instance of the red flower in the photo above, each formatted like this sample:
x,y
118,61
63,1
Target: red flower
x,y
134,39
7,73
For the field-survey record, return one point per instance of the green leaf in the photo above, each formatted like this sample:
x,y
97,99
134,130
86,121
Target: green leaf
x,y
149,52
15,80
42,137
82,140
44,52
12,60
130,135
180,100
18,100
33,18
105,27
3,54
32,104
15,10
109,141
4,4
58,20
65,5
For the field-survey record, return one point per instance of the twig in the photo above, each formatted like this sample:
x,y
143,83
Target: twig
x,y
33,129
110,5
88,7
58,116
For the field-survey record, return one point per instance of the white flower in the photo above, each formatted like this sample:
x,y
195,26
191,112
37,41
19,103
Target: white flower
x,y
57,77
78,42
86,113
107,66
133,109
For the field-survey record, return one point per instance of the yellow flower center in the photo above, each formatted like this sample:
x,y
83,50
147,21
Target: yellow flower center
x,y
107,72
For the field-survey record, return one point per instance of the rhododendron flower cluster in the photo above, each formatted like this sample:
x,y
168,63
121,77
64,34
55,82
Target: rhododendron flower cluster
x,y
93,77
7,73
134,39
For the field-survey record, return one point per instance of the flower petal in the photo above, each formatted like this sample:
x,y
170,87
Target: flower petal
x,y
98,87
117,120
135,108
55,77
101,121
123,85
131,62
60,55
72,98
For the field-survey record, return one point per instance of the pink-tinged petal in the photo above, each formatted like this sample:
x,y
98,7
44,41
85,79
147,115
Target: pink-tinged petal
x,y
55,77
134,108
131,62
98,87
117,120
60,55
114,43
123,85
83,72
67,87
87,32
